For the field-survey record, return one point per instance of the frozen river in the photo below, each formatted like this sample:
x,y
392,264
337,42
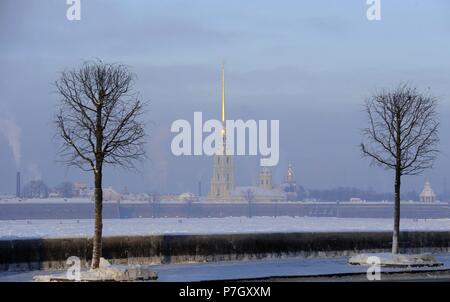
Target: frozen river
x,y
10,229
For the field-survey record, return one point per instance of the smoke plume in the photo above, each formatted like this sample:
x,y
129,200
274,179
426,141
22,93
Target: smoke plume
x,y
11,131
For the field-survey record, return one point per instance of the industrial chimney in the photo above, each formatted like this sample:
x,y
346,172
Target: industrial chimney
x,y
18,195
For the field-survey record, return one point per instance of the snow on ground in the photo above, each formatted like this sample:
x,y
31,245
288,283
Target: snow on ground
x,y
10,229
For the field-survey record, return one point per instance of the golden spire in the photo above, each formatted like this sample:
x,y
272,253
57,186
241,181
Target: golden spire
x,y
224,131
223,94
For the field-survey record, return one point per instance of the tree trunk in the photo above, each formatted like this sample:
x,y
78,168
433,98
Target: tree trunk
x,y
97,242
396,232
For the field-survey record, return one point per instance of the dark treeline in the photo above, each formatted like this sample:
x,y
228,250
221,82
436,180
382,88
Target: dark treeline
x,y
39,189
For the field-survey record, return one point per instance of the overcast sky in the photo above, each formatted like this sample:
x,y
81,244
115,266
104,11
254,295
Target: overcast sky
x,y
309,64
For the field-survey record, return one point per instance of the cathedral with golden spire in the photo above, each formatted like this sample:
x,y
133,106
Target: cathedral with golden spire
x,y
222,181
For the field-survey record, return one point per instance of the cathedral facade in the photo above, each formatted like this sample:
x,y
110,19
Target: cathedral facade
x,y
222,181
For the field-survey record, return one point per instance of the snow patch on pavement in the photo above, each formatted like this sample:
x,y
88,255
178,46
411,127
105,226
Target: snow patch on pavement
x,y
395,260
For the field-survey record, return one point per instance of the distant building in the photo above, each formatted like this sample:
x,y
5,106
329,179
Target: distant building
x,y
135,197
427,194
266,191
109,194
356,200
54,195
154,197
258,194
188,197
80,189
167,197
290,185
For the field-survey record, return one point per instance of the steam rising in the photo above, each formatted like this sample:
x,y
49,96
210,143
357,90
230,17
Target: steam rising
x,y
33,172
11,131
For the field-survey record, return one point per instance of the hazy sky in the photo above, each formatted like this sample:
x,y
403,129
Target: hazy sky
x,y
309,64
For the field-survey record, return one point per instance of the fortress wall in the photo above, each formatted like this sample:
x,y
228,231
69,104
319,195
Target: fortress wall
x,y
52,253
216,209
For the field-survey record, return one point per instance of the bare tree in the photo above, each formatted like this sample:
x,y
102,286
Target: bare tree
x,y
35,189
249,195
99,121
402,135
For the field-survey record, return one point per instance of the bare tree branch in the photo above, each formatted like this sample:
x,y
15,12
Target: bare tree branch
x,y
105,90
403,126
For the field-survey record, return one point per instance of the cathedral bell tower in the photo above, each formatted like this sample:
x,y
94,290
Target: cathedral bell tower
x,y
290,185
265,178
222,181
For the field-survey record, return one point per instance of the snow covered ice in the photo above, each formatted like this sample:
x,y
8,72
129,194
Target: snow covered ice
x,y
10,229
